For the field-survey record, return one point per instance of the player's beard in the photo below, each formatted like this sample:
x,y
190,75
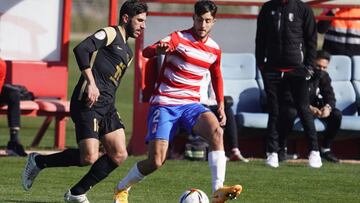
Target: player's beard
x,y
130,30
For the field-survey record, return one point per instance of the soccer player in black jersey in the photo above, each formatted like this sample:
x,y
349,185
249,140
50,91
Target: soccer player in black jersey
x,y
102,58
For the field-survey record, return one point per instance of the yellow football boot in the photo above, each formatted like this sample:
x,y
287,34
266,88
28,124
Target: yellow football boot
x,y
226,193
121,196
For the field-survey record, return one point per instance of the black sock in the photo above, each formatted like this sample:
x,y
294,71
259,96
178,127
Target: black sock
x,y
68,157
14,135
98,171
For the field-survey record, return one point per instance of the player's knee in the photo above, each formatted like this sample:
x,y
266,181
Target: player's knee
x,y
89,159
119,157
216,136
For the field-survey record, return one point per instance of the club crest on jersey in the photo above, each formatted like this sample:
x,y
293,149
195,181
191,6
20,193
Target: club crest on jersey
x,y
100,35
291,17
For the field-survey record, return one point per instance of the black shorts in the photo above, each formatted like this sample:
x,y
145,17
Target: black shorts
x,y
94,122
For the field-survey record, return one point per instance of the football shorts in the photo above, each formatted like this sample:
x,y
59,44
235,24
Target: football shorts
x,y
163,121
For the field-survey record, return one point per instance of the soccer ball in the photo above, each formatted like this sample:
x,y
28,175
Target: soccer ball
x,y
193,196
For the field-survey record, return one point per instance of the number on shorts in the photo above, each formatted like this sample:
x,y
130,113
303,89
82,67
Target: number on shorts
x,y
155,120
156,116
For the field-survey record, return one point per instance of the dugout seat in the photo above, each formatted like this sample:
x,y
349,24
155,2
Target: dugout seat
x,y
239,75
48,83
356,79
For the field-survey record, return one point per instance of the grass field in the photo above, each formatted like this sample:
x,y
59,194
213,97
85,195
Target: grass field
x,y
289,183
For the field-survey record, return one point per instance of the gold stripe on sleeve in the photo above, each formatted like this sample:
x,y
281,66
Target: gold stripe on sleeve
x,y
111,34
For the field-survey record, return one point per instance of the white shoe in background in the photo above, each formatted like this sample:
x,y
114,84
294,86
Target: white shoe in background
x,y
272,160
315,159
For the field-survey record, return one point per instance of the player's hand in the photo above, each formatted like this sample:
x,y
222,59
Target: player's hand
x,y
315,111
325,112
93,94
222,116
163,48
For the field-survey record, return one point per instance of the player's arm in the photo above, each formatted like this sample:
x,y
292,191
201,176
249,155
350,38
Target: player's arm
x,y
163,46
84,50
327,91
92,91
260,45
218,85
310,37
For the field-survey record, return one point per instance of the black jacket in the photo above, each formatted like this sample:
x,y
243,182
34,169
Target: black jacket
x,y
321,91
286,35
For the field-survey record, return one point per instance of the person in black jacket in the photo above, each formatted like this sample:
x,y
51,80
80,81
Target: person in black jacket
x,y
286,41
322,106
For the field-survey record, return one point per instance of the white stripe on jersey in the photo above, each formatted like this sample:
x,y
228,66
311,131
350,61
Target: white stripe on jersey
x,y
197,53
211,43
186,36
164,88
189,37
179,79
188,67
195,59
172,101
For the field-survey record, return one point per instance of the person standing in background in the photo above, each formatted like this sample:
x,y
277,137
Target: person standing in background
x,y
286,41
208,99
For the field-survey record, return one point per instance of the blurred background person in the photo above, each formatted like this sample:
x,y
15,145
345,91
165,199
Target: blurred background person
x,y
208,99
322,106
286,41
10,95
341,36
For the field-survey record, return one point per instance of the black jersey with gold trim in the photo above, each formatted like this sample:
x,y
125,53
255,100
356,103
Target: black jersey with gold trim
x,y
108,55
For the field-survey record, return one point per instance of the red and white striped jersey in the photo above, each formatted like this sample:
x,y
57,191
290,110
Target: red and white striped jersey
x,y
183,69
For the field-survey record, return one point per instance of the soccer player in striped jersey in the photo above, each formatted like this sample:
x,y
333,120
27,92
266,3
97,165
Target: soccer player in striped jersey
x,y
103,59
175,102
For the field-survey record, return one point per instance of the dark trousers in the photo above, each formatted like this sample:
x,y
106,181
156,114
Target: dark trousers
x,y
11,96
288,116
279,87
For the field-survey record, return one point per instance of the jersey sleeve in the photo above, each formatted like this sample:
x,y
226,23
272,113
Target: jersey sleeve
x,y
96,41
172,40
217,80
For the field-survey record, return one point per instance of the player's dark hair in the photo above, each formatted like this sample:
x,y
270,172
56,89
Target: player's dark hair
x,y
204,6
321,54
133,8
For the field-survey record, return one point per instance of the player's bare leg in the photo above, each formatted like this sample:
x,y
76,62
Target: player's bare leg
x,y
208,127
157,152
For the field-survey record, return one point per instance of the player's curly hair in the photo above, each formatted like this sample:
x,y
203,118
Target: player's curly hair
x,y
204,6
133,8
